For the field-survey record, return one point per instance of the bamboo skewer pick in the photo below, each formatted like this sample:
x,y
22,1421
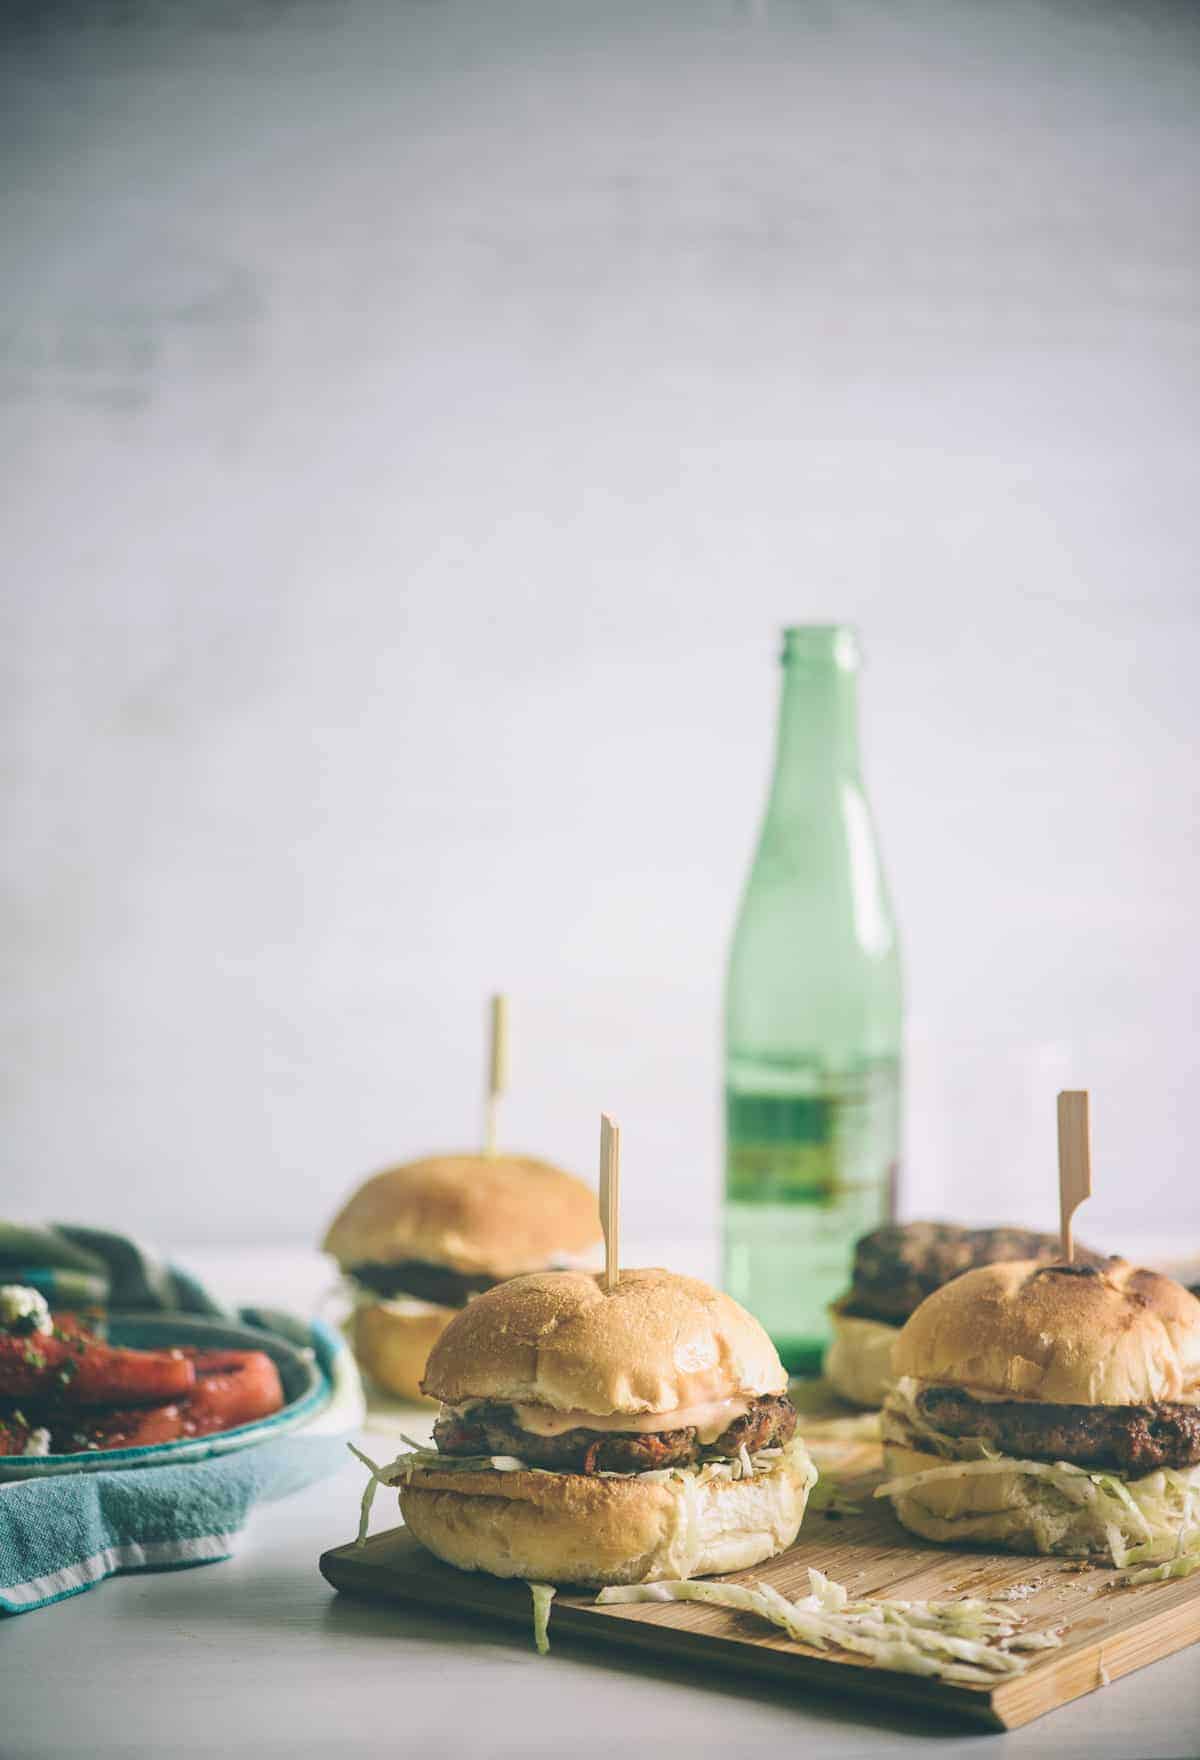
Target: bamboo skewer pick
x,y
1074,1163
610,1199
497,1079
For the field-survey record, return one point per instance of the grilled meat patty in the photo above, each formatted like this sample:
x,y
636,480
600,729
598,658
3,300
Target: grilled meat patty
x,y
428,1283
896,1267
1132,1439
493,1429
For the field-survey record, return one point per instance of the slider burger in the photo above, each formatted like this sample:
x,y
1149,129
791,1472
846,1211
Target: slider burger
x,y
895,1268
1051,1409
592,1436
417,1243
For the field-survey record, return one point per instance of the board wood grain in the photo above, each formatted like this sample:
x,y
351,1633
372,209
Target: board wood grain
x,y
1107,1632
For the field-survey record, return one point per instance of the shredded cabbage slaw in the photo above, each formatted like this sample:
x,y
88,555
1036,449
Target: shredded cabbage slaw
x,y
543,1594
976,1642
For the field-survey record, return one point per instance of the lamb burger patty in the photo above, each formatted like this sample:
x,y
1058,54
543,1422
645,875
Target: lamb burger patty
x,y
1134,1440
493,1429
897,1266
428,1283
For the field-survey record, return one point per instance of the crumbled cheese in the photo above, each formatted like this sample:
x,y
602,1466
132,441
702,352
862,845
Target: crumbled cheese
x,y
23,1309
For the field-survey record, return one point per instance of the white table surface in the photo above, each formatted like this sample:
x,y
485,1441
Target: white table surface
x,y
257,1655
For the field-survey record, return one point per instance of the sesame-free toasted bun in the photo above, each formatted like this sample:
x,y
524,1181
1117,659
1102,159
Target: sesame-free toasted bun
x,y
496,1215
858,1363
392,1342
1061,1334
592,1530
655,1343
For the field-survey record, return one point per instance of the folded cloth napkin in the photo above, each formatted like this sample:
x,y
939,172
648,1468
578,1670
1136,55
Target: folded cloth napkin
x,y
65,1532
88,1267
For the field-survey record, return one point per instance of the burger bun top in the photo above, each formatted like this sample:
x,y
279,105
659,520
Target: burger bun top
x,y
658,1342
1060,1334
492,1215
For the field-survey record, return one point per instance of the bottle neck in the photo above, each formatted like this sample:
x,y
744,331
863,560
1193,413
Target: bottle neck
x,y
818,712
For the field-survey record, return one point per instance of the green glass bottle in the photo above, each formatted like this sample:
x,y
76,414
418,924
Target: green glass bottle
x,y
813,1017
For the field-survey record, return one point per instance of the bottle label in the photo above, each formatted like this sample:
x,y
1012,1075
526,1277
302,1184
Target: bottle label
x,y
811,1149
781,1148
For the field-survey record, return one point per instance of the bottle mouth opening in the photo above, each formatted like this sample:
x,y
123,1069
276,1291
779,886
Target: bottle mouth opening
x,y
824,644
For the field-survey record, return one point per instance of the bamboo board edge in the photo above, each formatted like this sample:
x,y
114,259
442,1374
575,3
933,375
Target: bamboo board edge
x,y
393,1567
344,1568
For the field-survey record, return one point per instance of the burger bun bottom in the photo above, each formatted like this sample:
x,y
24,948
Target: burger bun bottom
x,y
392,1342
593,1531
1013,1510
858,1363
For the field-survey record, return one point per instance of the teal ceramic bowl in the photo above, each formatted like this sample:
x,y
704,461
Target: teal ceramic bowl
x,y
306,1391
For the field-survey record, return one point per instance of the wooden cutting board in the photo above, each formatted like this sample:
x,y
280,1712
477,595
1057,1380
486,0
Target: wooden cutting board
x,y
1107,1632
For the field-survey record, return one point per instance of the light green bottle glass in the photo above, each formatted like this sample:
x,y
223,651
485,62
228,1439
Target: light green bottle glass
x,y
813,1018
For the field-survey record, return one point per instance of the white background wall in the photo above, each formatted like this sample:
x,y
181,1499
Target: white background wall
x,y
417,420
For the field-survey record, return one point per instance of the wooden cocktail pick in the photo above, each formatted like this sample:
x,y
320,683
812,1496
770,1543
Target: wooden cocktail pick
x,y
1074,1162
610,1199
497,1074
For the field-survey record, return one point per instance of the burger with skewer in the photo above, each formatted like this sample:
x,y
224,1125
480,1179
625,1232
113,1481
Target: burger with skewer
x,y
604,1435
1051,1409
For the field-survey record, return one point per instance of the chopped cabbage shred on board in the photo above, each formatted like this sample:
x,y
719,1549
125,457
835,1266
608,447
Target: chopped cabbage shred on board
x,y
1181,1566
976,1642
543,1595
